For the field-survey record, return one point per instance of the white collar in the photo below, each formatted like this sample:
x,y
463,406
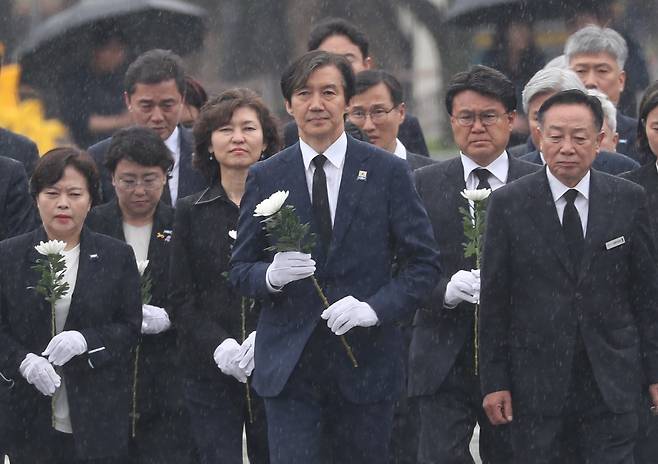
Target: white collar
x,y
558,189
400,149
335,153
172,142
498,167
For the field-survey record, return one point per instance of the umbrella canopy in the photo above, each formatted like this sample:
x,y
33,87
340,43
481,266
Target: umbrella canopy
x,y
472,12
65,40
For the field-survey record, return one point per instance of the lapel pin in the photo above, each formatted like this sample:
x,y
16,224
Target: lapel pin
x,y
93,257
363,175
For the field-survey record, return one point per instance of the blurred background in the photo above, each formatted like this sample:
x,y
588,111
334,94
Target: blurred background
x,y
48,44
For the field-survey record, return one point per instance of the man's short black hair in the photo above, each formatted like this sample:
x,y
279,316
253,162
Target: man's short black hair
x,y
367,79
140,145
153,67
297,73
483,80
573,97
337,26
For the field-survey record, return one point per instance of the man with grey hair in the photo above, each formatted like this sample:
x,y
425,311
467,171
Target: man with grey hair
x,y
548,82
610,134
597,55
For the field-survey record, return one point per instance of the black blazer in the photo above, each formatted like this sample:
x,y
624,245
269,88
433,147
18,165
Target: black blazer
x,y
19,148
647,177
627,130
534,304
418,161
410,134
17,212
105,308
606,161
205,307
439,334
158,378
190,180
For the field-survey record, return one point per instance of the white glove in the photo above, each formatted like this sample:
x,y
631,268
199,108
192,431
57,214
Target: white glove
x,y
463,286
64,346
246,355
349,312
155,320
38,372
288,266
227,357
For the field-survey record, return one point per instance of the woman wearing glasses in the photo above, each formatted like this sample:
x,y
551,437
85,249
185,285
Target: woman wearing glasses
x,y
233,131
139,161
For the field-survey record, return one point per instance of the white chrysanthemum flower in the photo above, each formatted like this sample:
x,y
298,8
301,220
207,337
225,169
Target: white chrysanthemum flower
x,y
271,205
233,234
51,247
476,194
142,265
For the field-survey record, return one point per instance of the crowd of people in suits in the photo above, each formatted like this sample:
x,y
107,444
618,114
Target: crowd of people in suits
x,y
550,344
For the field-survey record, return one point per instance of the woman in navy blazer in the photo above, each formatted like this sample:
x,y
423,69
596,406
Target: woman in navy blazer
x,y
66,398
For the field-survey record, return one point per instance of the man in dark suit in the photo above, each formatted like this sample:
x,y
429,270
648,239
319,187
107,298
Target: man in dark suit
x,y
336,35
598,56
19,148
154,95
549,81
569,322
139,161
482,107
378,109
312,390
17,211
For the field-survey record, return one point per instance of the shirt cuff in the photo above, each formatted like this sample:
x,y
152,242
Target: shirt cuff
x,y
271,288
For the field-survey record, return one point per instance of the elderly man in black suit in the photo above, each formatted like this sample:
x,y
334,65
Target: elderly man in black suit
x,y
549,81
569,321
155,94
598,56
481,103
16,205
336,35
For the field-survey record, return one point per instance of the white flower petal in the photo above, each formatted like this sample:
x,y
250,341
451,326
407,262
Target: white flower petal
x,y
476,194
233,234
271,205
51,247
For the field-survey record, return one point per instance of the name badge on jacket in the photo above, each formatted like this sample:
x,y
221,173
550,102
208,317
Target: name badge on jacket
x,y
615,243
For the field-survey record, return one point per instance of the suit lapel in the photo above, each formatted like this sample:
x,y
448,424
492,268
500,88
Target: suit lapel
x,y
88,267
185,167
295,182
158,243
351,187
541,209
601,210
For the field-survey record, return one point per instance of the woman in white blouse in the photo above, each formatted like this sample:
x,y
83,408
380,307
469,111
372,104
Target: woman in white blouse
x,y
66,370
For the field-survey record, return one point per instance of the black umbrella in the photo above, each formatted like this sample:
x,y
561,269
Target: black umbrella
x,y
472,12
64,40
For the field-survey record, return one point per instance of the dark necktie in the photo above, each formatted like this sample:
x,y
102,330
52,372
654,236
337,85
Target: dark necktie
x,y
483,177
573,228
321,212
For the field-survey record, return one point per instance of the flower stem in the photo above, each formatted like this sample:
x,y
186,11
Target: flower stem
x,y
133,413
476,339
53,329
243,312
343,340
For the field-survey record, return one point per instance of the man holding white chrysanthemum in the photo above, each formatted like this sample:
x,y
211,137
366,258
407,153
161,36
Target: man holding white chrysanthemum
x,y
444,355
328,352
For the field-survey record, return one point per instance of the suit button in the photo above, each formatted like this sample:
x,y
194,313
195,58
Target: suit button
x,y
579,296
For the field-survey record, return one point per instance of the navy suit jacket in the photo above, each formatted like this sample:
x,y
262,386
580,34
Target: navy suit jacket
x,y
17,211
105,308
534,303
19,148
190,179
379,217
627,130
440,334
606,161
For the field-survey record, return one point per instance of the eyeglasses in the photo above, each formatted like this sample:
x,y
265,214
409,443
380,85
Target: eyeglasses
x,y
487,119
150,183
376,114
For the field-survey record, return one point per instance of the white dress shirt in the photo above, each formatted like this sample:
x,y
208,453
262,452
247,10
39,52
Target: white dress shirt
x,y
400,150
173,144
333,169
558,189
498,169
60,398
